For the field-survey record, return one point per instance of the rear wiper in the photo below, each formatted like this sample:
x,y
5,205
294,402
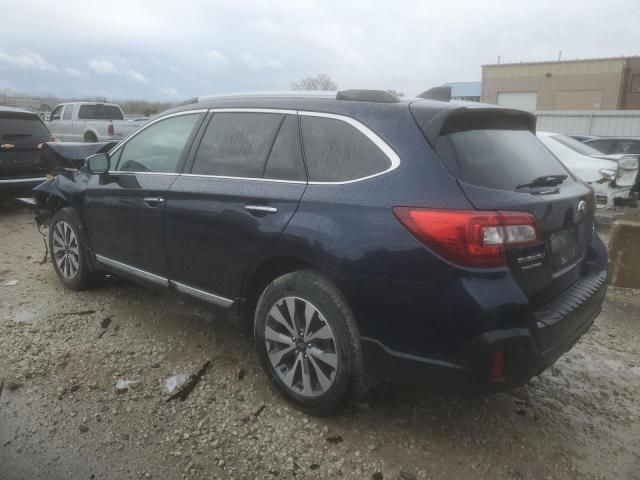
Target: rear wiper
x,y
545,181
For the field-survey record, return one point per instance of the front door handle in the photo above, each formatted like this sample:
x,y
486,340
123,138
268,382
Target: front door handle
x,y
260,209
153,201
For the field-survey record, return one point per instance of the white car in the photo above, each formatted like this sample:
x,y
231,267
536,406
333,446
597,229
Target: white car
x,y
611,176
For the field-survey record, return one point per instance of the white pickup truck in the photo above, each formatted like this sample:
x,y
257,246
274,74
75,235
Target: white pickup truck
x,y
90,122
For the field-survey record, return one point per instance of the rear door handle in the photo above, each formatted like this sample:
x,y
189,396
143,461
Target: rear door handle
x,y
153,201
260,209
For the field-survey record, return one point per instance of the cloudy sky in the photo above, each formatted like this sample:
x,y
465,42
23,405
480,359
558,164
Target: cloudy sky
x,y
171,50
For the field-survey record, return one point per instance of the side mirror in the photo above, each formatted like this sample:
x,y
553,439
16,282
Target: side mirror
x,y
98,163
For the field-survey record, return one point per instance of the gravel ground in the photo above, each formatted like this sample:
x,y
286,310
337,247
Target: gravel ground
x,y
61,416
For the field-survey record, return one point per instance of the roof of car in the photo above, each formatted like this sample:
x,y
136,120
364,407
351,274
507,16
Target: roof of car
x,y
5,108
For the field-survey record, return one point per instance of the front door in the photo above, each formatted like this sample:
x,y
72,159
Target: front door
x,y
123,209
247,178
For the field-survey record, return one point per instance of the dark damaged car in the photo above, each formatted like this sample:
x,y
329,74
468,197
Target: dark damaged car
x,y
360,237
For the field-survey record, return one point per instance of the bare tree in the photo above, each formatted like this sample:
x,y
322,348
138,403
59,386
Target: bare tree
x,y
320,82
396,92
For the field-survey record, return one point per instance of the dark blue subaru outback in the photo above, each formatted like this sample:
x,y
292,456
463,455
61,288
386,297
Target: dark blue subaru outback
x,y
362,238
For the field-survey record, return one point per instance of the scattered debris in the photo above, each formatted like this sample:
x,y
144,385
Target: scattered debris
x,y
406,476
10,283
259,410
241,374
334,439
190,384
11,385
175,381
123,385
521,411
377,476
1,386
83,428
314,466
80,312
105,322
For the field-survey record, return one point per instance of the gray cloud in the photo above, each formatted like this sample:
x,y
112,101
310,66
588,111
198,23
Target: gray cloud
x,y
169,49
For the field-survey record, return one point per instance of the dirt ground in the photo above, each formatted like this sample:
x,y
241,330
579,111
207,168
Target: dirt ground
x,y
61,416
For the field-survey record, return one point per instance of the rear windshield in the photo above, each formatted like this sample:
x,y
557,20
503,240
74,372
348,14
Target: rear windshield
x,y
497,159
575,145
16,126
99,112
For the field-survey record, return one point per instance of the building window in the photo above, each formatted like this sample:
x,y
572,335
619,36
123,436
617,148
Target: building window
x,y
635,83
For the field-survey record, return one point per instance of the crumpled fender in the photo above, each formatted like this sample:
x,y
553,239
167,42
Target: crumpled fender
x,y
58,191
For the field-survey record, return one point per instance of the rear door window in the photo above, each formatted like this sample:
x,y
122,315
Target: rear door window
x,y
285,159
498,159
68,111
237,144
335,151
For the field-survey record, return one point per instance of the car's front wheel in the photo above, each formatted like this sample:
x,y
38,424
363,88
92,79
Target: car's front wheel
x,y
308,342
69,251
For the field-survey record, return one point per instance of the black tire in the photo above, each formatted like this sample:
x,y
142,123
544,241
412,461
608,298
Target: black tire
x,y
308,287
90,138
84,276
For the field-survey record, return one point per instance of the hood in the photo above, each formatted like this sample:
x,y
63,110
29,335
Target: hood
x,y
70,155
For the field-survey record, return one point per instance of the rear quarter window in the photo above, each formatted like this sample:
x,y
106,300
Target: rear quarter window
x,y
495,158
336,151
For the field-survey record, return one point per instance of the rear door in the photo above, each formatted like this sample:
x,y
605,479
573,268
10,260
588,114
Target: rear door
x,y
123,210
245,182
494,156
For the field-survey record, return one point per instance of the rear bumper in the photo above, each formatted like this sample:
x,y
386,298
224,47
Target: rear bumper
x,y
528,351
19,185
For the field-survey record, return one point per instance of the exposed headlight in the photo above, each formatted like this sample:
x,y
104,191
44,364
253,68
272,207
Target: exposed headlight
x,y
608,174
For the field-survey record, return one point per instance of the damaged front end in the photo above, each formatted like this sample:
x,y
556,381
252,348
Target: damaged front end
x,y
67,178
619,183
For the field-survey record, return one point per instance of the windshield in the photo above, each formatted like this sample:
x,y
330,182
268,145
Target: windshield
x,y
18,126
498,159
575,145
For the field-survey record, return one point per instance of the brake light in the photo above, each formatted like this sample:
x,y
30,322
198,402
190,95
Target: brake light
x,y
110,130
497,365
469,237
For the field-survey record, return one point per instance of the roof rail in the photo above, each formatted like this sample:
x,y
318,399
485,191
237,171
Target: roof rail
x,y
275,93
381,96
442,93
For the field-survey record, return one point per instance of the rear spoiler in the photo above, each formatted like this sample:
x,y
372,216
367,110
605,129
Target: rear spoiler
x,y
434,121
70,155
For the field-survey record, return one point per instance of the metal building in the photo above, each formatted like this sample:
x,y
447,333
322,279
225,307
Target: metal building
x,y
589,84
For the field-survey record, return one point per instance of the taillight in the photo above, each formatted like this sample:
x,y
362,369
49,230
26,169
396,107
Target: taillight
x,y
468,237
110,130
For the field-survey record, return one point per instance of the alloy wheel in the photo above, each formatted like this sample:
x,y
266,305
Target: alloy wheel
x,y
66,252
301,346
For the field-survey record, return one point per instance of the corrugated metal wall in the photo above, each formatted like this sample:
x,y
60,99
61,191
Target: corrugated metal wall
x,y
600,123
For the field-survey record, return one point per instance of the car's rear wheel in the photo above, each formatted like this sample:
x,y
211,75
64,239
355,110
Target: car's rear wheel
x,y
308,342
69,251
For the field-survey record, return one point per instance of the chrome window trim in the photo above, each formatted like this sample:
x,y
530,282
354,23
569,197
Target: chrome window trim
x,y
150,123
393,157
201,294
152,277
130,172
